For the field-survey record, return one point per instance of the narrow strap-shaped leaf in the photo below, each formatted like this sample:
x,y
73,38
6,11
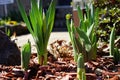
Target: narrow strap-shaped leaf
x,y
77,41
83,27
75,44
24,16
78,44
93,52
93,38
50,15
40,7
33,20
88,14
44,25
40,41
85,39
39,24
74,41
69,25
71,31
86,22
80,13
92,14
90,30
96,17
51,12
112,39
37,13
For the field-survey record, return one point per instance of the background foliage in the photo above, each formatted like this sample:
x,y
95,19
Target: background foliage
x,y
109,17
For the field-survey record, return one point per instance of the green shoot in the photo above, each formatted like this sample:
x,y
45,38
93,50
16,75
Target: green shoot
x,y
83,37
116,56
80,68
25,55
112,39
40,25
7,31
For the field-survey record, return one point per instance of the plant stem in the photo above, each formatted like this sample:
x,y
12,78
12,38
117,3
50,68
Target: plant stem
x,y
45,58
40,59
80,67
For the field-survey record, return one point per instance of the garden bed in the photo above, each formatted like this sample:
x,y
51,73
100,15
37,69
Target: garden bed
x,y
63,67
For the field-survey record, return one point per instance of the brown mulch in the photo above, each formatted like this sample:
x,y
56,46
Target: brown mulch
x,y
62,67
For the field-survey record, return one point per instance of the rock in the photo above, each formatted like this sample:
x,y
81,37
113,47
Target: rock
x,y
9,52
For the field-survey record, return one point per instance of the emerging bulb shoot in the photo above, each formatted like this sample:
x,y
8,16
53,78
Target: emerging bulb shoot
x,y
68,16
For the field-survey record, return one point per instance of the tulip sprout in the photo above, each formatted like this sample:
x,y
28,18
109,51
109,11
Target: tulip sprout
x,y
83,37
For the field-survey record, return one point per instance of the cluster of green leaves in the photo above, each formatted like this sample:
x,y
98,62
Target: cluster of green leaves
x,y
25,56
83,37
40,25
109,17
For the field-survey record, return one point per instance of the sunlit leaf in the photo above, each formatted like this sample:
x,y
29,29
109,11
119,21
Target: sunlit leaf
x,y
25,55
